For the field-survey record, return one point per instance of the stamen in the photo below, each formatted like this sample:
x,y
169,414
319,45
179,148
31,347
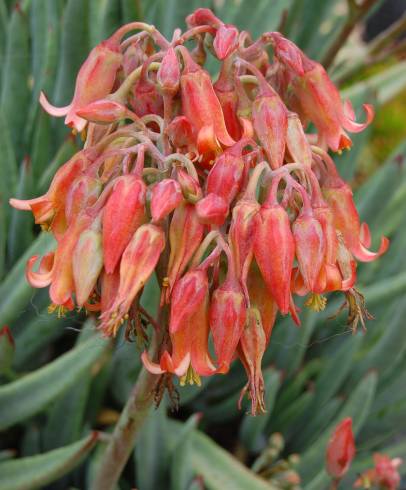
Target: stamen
x,y
191,377
316,302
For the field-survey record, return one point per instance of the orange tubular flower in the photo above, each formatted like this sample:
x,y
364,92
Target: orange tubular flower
x,y
340,450
338,195
94,81
199,101
185,235
122,215
320,102
228,311
137,264
273,233
46,208
189,331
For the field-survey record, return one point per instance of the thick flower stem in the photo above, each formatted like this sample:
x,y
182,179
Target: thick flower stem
x,y
131,420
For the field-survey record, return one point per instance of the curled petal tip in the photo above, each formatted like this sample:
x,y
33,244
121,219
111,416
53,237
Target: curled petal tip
x,y
349,117
43,277
365,255
51,109
150,366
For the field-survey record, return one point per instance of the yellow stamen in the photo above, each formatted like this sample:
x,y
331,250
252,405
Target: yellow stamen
x,y
165,282
83,134
60,309
191,377
316,302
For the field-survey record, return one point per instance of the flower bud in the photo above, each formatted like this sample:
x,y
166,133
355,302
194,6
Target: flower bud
x,y
227,319
103,111
225,41
287,53
190,186
241,235
185,235
340,449
200,103
122,215
225,177
274,250
202,16
271,124
168,75
87,262
296,141
212,210
166,195
181,134
310,247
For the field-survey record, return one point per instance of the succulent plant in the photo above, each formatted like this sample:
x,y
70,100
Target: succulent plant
x,y
159,209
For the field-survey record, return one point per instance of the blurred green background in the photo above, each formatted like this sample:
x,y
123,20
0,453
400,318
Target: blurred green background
x,y
59,380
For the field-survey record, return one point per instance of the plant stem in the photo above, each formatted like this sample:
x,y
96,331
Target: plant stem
x,y
356,13
131,420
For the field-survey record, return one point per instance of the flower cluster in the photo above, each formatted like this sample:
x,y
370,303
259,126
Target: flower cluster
x,y
384,475
213,185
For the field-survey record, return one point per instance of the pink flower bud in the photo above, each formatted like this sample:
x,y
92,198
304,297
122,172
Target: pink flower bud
x,y
225,41
241,236
122,215
94,81
227,319
103,111
340,449
168,75
212,210
310,247
203,16
166,195
190,186
225,177
87,262
185,235
274,250
137,264
287,53
296,141
271,124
